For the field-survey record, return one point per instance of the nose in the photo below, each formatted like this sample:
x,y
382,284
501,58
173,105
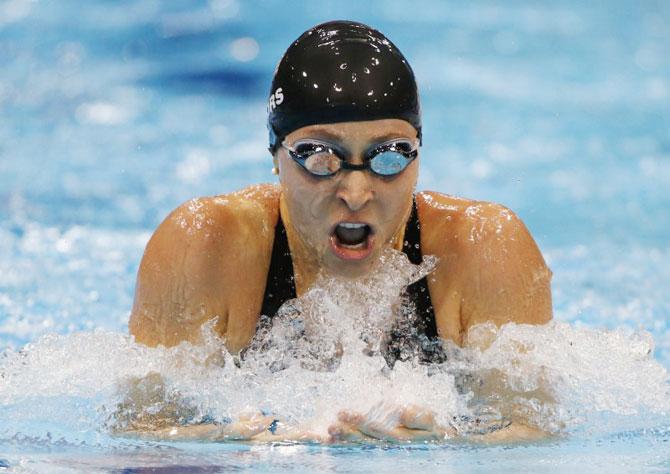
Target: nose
x,y
355,189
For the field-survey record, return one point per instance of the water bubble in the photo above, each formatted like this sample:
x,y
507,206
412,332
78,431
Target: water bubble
x,y
224,9
244,49
194,167
102,113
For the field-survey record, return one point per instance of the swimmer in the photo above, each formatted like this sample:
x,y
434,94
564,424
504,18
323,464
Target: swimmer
x,y
345,134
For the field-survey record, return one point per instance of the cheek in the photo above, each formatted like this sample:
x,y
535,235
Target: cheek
x,y
294,186
393,207
395,198
297,199
305,198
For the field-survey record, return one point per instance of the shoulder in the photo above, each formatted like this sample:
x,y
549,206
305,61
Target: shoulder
x,y
490,258
198,237
467,222
229,218
206,257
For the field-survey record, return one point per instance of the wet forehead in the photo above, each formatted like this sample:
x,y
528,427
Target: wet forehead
x,y
363,132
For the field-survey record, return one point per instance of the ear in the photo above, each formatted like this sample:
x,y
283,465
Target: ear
x,y
275,163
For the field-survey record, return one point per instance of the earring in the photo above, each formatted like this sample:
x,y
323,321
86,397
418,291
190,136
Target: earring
x,y
275,170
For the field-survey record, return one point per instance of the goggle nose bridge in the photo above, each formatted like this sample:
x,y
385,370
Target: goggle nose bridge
x,y
345,165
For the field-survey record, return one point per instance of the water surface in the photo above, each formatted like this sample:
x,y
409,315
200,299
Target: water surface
x,y
112,114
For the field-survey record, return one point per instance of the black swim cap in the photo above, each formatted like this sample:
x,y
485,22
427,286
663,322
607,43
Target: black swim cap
x,y
341,71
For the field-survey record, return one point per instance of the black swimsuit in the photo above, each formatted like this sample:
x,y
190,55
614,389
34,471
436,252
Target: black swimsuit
x,y
421,337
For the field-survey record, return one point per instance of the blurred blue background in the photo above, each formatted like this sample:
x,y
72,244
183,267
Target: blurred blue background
x,y
113,113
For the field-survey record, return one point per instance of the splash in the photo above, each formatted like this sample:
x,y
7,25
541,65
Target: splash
x,y
341,316
325,352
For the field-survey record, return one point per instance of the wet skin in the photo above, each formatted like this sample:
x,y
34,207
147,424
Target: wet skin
x,y
210,257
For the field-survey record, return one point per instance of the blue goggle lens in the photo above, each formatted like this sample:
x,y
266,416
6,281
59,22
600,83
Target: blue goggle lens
x,y
388,163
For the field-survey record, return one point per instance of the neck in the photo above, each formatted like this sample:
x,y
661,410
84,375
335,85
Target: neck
x,y
305,263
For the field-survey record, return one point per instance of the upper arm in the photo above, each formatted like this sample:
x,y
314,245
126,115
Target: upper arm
x,y
208,259
507,278
177,288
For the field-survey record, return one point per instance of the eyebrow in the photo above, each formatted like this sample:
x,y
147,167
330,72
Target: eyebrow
x,y
336,136
327,135
388,136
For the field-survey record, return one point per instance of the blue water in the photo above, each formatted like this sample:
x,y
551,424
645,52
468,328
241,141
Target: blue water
x,y
113,113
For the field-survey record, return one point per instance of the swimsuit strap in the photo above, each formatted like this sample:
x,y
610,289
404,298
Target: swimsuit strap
x,y
280,285
418,291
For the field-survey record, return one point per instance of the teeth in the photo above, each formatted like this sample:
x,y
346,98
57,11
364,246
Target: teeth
x,y
351,225
357,246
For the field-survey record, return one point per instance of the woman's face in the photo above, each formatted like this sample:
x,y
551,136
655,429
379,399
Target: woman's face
x,y
346,220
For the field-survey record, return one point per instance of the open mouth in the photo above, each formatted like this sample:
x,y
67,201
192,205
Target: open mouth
x,y
352,240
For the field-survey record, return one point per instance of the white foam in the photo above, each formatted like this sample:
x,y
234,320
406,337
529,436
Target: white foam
x,y
324,354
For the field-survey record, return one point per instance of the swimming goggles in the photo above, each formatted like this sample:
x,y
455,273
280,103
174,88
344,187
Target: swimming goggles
x,y
323,159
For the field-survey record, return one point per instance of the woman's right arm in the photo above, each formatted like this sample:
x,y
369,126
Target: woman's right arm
x,y
209,258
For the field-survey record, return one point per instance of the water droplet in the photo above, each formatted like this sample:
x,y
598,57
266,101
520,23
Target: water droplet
x,y
366,70
244,49
304,74
343,66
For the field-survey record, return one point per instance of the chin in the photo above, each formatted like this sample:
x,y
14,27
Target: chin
x,y
351,272
351,269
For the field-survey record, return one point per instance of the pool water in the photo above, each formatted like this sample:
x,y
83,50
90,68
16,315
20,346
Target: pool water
x,y
112,114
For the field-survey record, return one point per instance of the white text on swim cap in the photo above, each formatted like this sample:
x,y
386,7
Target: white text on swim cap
x,y
275,99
